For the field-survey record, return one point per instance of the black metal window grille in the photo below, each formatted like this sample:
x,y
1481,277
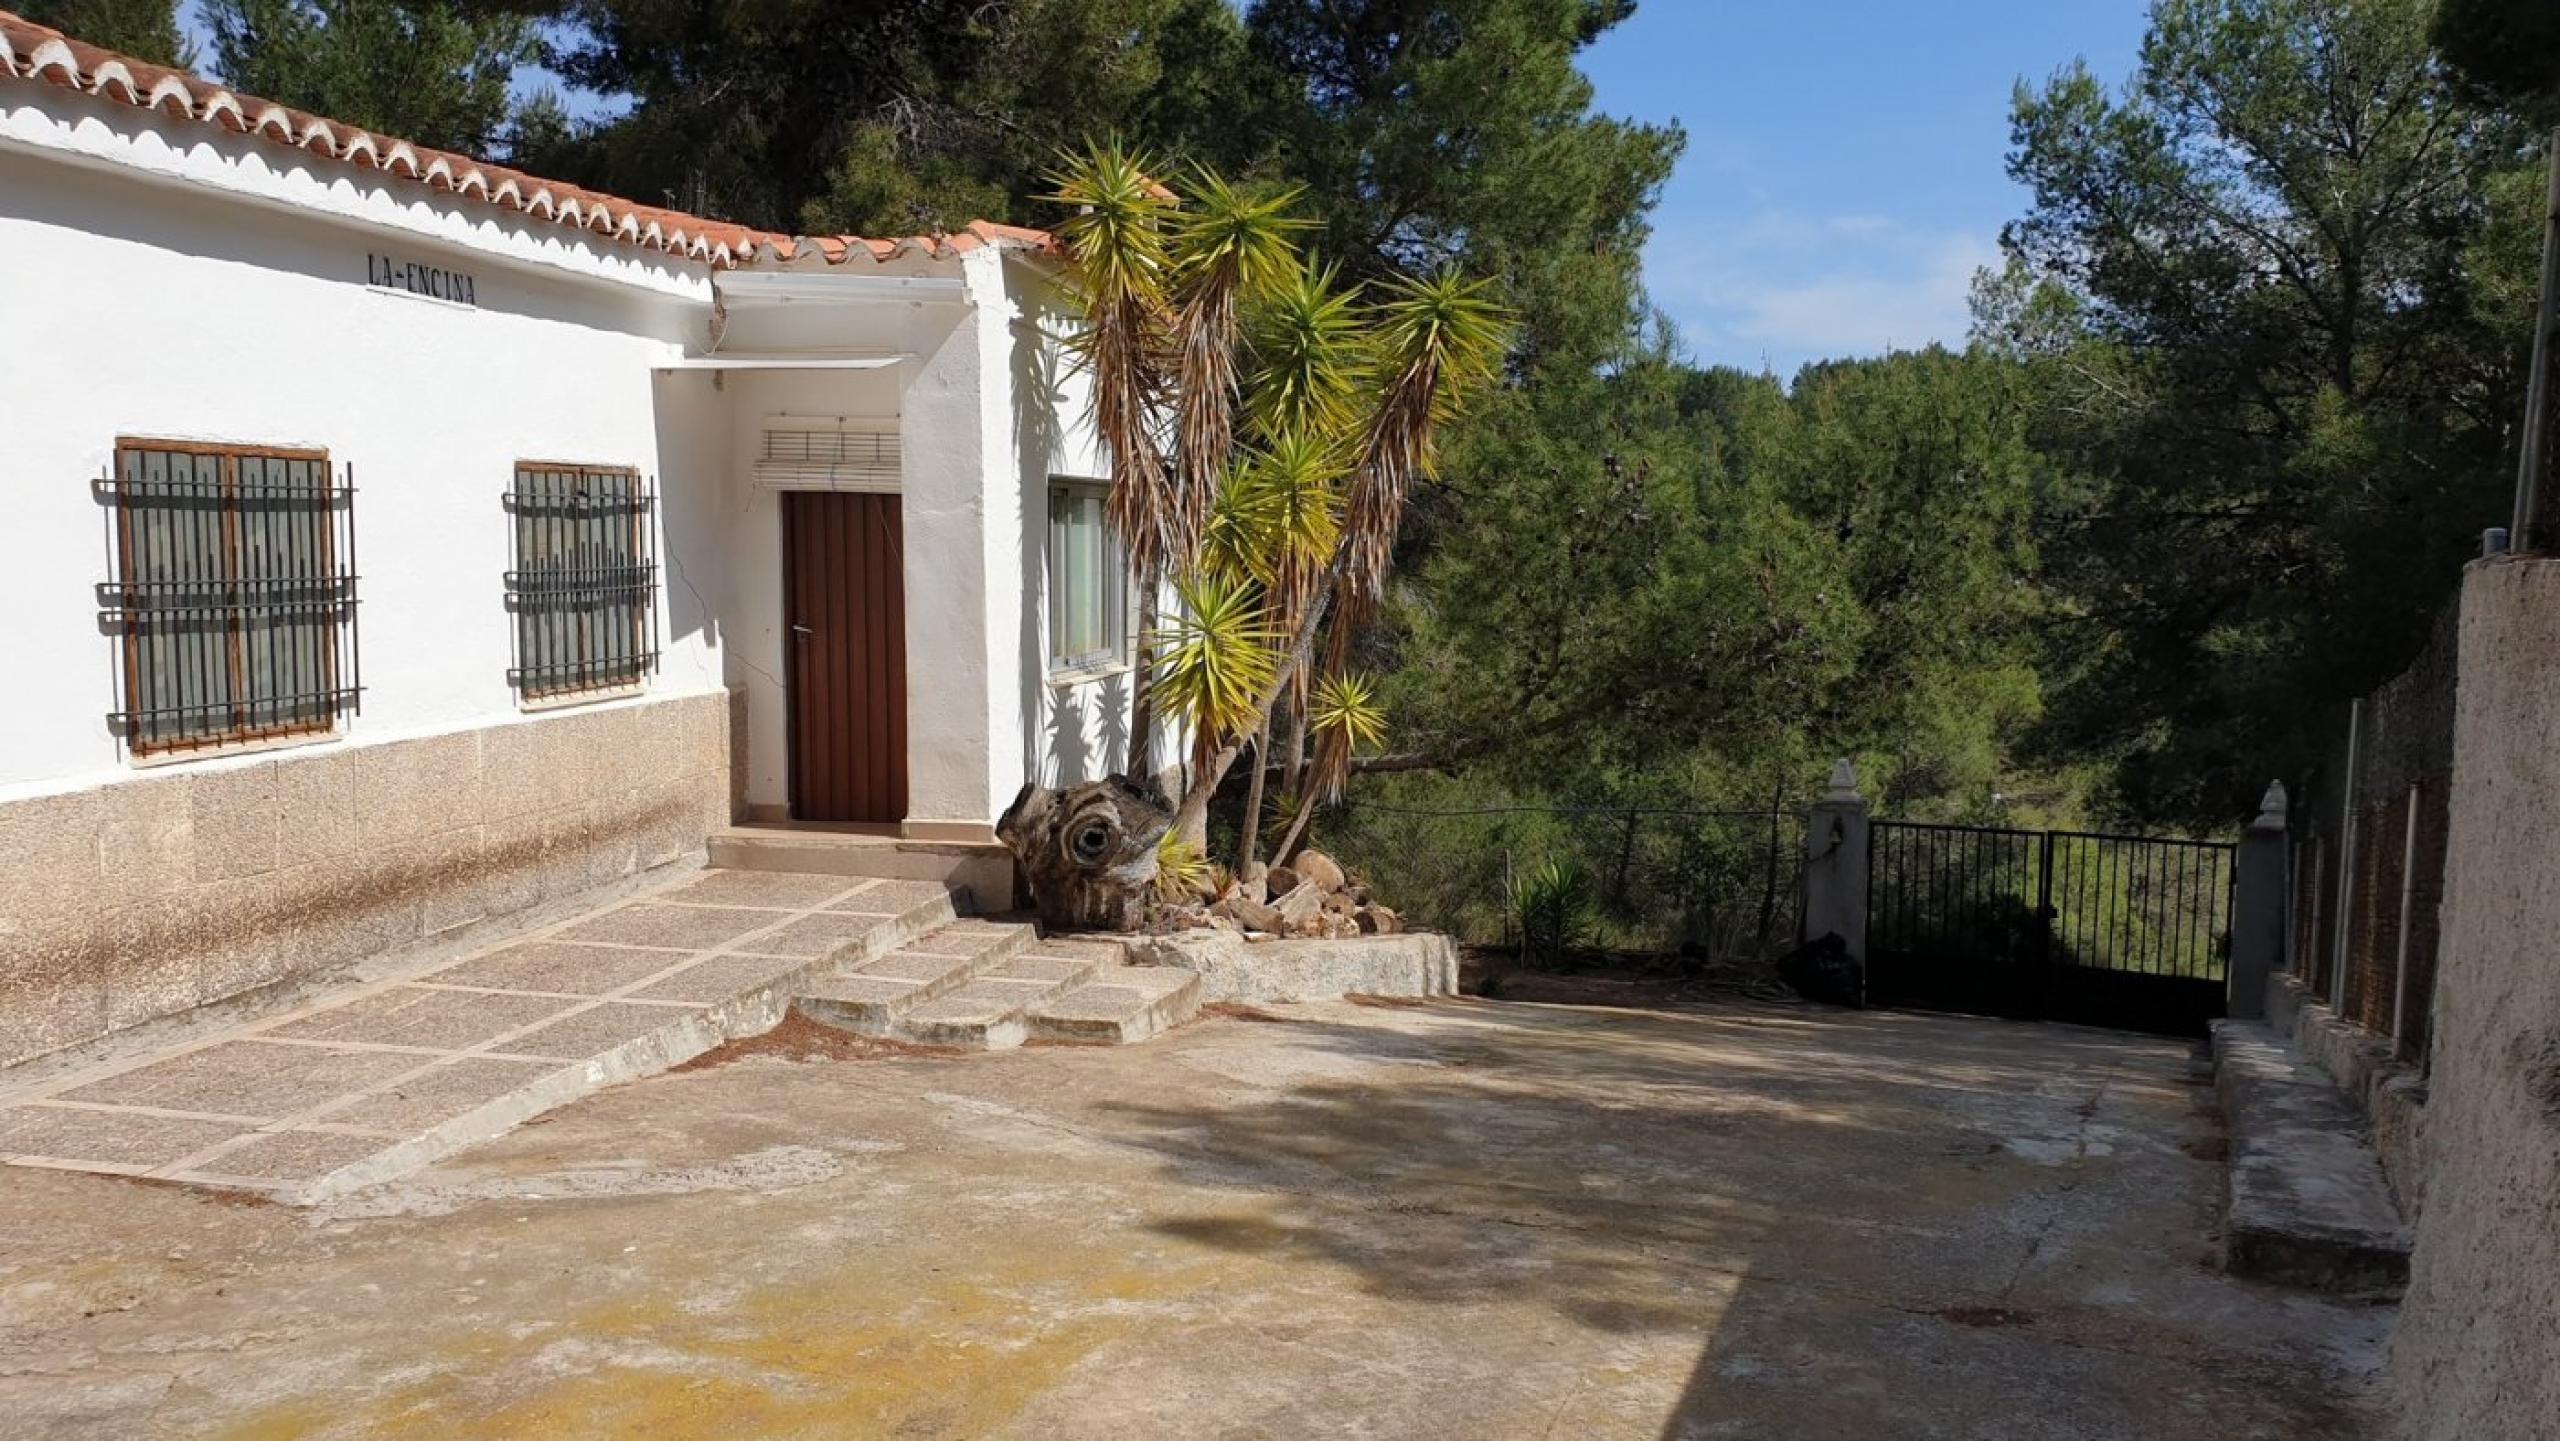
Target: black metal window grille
x,y
585,580
234,598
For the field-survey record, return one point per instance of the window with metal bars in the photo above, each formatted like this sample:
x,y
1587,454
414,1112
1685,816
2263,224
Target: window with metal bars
x,y
585,581
234,601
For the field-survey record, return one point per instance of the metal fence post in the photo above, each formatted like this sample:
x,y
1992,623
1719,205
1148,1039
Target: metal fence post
x,y
2533,451
2408,888
2344,943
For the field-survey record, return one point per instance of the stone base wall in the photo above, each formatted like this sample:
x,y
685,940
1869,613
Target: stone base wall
x,y
2391,1094
2477,1353
1416,963
196,883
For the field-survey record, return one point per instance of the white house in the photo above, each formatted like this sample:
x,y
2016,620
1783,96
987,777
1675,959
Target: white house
x,y
398,543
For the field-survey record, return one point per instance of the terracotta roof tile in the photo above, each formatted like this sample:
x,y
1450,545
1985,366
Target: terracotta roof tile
x,y
30,51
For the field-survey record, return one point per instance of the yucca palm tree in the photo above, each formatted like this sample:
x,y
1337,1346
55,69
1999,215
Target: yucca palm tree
x,y
1166,279
1264,427
1438,340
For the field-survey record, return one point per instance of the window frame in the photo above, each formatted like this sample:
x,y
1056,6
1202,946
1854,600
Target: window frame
x,y
1114,654
335,654
644,654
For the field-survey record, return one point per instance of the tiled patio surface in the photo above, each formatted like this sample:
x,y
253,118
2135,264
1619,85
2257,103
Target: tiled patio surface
x,y
380,1078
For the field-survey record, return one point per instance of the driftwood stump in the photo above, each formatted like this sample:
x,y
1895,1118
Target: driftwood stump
x,y
1089,851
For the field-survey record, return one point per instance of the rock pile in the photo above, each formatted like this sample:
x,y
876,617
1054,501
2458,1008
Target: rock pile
x,y
1310,896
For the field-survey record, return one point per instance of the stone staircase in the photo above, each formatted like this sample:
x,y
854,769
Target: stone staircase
x,y
991,985
368,1081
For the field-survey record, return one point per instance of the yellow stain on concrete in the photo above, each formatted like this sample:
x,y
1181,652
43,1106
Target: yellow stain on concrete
x,y
865,1351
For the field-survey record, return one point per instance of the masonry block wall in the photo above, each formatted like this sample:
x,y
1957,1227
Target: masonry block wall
x,y
197,883
2476,1353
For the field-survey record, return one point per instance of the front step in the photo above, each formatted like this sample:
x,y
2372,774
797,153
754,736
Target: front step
x,y
993,985
982,871
872,996
1121,1006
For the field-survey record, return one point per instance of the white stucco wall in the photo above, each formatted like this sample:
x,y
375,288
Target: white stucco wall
x,y
154,301
1056,729
171,280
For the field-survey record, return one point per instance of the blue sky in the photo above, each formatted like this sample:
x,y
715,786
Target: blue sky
x,y
1844,172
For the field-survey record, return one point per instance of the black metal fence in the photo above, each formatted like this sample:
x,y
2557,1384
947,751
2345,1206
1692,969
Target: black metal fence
x,y
2111,930
1708,885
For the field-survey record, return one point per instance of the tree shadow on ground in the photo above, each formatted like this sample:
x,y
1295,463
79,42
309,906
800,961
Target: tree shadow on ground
x,y
1595,1162
1794,1193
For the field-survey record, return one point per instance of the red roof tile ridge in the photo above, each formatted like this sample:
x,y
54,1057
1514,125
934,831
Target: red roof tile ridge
x,y
39,52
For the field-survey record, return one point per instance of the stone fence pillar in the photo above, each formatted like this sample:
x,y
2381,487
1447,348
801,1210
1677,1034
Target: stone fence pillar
x,y
2258,906
1835,865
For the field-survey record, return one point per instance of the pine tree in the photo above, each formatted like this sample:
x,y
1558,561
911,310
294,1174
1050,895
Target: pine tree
x,y
143,29
425,72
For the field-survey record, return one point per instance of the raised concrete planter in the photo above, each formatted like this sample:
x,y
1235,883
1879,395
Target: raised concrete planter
x,y
2308,1202
2391,1094
1418,963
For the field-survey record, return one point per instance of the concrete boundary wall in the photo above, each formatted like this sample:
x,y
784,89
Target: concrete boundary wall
x,y
2477,1354
196,883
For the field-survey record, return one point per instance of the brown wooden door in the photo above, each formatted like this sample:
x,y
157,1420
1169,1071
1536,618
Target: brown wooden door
x,y
844,598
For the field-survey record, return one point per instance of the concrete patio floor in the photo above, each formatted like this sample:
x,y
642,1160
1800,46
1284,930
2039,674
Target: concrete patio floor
x,y
1461,1219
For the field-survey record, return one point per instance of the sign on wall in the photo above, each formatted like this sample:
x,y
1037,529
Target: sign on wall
x,y
416,279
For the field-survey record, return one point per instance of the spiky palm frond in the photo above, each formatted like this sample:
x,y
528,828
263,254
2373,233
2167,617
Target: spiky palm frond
x,y
1181,871
1231,247
1237,542
1216,657
1308,353
1440,340
1346,716
1119,231
1277,519
1299,474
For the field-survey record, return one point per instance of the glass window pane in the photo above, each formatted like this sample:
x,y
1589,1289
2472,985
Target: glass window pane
x,y
1083,601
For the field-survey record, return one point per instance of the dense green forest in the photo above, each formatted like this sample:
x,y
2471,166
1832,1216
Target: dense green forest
x,y
2231,418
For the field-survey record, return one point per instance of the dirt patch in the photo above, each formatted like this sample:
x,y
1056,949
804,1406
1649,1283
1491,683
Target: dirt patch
x,y
2216,1149
800,1039
223,1196
1238,1011
1390,1003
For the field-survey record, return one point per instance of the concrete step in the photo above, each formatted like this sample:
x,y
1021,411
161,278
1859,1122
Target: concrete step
x,y
1120,1005
980,871
991,985
870,996
2309,1206
987,1015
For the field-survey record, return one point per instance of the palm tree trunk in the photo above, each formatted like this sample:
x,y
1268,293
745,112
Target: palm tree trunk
x,y
1297,759
1192,816
1297,831
1248,850
1142,700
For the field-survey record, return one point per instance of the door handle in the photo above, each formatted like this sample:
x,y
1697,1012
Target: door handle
x,y
802,631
